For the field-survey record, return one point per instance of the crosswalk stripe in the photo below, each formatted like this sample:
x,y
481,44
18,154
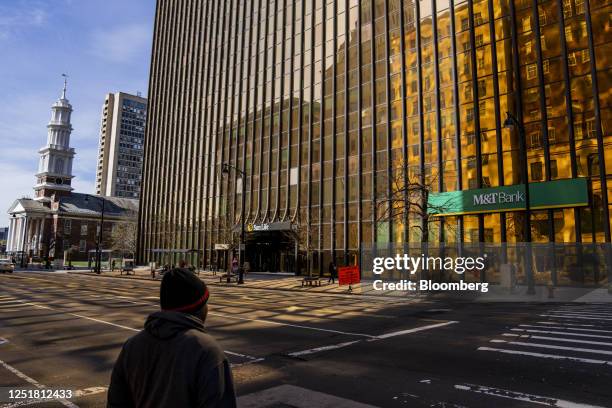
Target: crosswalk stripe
x,y
567,324
576,313
323,348
543,355
550,346
33,382
575,325
555,316
531,336
599,336
565,328
521,396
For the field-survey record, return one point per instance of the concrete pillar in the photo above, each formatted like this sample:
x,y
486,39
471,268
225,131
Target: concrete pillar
x,y
25,225
9,238
34,239
30,234
19,232
41,238
15,234
37,237
24,232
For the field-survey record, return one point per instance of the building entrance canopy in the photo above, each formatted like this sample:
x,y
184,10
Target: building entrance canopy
x,y
272,226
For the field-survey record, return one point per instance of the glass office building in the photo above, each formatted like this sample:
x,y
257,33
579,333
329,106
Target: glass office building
x,y
332,108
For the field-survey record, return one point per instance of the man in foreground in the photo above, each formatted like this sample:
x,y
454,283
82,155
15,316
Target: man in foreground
x,y
172,362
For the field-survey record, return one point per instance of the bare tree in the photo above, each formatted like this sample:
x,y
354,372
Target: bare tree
x,y
408,197
226,231
304,236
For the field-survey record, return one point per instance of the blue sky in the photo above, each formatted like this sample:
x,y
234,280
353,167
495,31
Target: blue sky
x,y
104,46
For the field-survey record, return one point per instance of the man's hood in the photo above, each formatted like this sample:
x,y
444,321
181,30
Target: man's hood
x,y
165,325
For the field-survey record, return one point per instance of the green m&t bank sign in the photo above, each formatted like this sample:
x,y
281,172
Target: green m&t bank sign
x,y
550,194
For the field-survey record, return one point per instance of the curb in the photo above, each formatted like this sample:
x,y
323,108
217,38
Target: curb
x,y
431,296
396,298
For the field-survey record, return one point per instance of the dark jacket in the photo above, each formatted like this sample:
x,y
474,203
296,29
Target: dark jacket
x,y
171,363
332,269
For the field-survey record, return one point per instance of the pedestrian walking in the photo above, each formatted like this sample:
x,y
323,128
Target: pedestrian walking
x,y
333,270
241,271
234,266
173,362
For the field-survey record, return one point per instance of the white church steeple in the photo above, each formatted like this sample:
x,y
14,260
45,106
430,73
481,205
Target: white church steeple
x,y
55,167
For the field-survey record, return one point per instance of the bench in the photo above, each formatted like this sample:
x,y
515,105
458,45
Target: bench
x,y
230,275
310,280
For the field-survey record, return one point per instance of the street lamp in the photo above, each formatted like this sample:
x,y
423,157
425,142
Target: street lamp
x,y
225,169
97,267
510,122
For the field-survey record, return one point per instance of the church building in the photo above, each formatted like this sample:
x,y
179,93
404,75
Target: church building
x,y
59,223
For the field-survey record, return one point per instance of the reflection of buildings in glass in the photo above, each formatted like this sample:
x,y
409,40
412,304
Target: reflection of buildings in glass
x,y
371,91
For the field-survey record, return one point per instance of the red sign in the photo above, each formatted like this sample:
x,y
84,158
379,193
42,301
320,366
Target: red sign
x,y
348,275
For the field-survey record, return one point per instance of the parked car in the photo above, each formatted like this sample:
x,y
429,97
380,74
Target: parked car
x,y
6,266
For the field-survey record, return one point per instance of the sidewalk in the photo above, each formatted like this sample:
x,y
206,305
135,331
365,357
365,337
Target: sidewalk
x,y
284,282
272,281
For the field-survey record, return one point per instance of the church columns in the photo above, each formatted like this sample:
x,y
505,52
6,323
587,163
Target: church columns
x,y
29,234
15,234
9,238
22,238
41,237
36,237
24,234
20,233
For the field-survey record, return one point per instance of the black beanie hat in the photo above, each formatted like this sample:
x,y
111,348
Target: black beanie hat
x,y
182,291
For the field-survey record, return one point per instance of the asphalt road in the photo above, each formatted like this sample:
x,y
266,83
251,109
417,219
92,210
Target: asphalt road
x,y
291,349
